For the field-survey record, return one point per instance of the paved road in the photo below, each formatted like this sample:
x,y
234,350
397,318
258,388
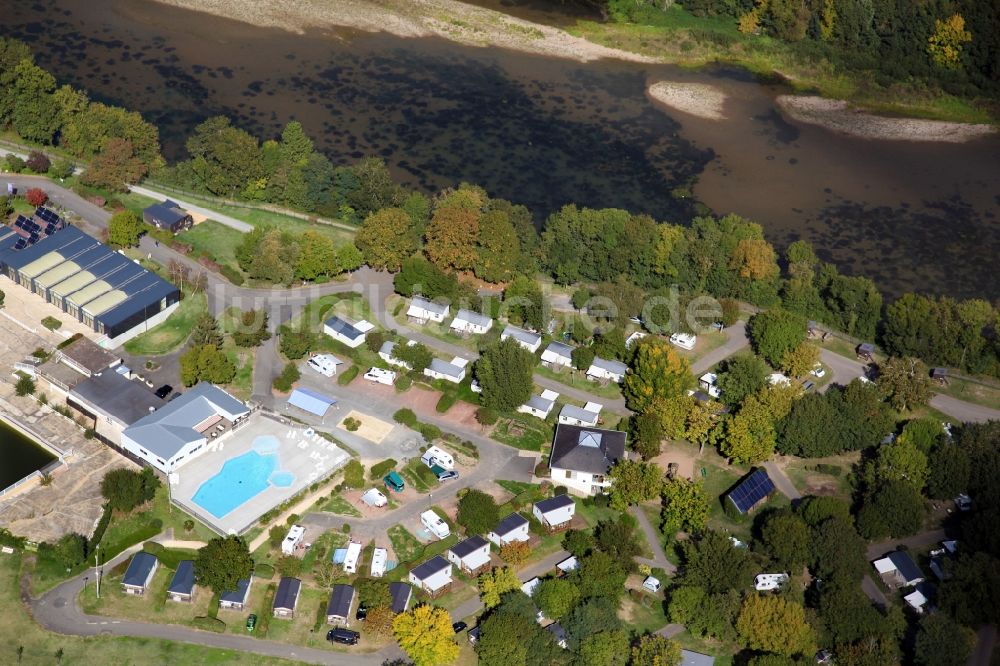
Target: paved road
x,y
221,218
986,638
874,592
736,339
781,481
659,559
922,540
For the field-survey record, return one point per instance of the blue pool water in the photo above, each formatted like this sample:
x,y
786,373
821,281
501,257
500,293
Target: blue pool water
x,y
282,479
240,479
265,444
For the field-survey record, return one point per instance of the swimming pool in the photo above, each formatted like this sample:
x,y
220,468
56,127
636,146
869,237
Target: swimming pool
x,y
240,479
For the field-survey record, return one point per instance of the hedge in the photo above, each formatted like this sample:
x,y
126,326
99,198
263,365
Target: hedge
x,y
231,274
102,527
404,383
347,376
429,431
379,470
210,624
68,341
445,402
406,417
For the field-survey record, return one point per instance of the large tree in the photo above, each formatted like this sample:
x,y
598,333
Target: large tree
x,y
225,160
125,489
894,508
750,435
499,248
787,539
477,512
654,650
387,238
495,583
714,564
905,382
633,482
115,167
685,507
252,329
775,624
425,635
658,373
453,232
206,363
504,371
222,562
742,376
556,597
942,642
525,303
775,332
125,229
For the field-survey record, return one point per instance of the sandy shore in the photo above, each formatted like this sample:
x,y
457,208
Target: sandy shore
x,y
448,19
698,99
839,116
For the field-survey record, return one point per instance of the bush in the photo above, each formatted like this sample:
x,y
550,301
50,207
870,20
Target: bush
x,y
153,548
188,525
51,323
68,341
38,162
263,570
445,402
346,528
404,383
374,341
487,416
560,490
429,431
730,311
351,424
292,519
231,274
347,376
61,168
13,163
36,196
289,375
24,386
542,470
354,474
379,470
210,624
406,417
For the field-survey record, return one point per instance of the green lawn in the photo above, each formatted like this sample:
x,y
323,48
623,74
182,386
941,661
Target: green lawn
x,y
172,333
404,544
243,358
576,379
341,506
979,394
216,240
522,432
418,475
18,630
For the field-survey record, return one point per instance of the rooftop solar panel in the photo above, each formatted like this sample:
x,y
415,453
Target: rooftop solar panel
x,y
751,490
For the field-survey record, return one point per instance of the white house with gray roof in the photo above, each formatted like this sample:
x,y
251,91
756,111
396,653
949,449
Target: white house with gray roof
x,y
421,310
471,555
347,332
512,528
453,371
467,321
557,355
581,416
603,369
527,339
556,512
540,405
180,430
582,457
433,576
690,658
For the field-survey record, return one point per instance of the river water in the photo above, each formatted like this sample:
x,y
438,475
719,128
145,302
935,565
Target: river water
x,y
19,456
543,132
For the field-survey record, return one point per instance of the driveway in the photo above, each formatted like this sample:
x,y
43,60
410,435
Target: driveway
x,y
986,638
736,339
659,559
781,481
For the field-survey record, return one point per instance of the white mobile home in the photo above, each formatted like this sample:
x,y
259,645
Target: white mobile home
x,y
527,339
582,416
557,355
603,369
556,512
353,556
453,371
467,321
421,310
540,405
433,576
512,528
438,456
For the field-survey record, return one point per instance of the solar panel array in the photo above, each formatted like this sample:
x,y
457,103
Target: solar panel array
x,y
31,232
751,490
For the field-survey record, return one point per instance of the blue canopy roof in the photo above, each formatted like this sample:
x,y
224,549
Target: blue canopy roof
x,y
751,490
311,401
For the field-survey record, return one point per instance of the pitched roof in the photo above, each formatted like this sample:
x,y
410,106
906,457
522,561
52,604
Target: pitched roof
x,y
581,449
540,403
470,545
689,658
167,430
554,503
473,318
430,567
614,367
509,524
521,335
288,593
183,580
311,401
907,568
138,569
559,349
341,599
166,212
344,328
401,593
578,413
121,398
445,368
752,489
429,306
239,595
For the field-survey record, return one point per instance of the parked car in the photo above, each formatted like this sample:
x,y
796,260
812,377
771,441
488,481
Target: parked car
x,y
808,385
393,481
447,476
343,636
459,627
252,622
164,391
652,584
819,371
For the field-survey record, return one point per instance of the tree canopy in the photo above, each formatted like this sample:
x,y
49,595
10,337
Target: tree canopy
x,y
222,562
424,633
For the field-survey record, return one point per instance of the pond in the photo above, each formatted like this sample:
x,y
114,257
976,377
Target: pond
x,y
19,455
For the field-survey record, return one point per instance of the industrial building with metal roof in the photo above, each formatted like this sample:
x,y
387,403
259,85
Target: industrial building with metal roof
x,y
86,279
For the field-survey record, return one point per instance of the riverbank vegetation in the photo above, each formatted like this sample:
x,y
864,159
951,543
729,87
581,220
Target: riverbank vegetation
x,y
929,60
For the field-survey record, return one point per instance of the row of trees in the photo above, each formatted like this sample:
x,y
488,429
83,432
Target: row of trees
x,y
205,359
271,255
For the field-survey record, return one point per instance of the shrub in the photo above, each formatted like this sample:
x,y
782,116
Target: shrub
x,y
542,470
89,433
289,566
730,311
351,424
487,416
445,402
188,525
374,341
289,375
51,323
24,386
68,341
346,528
379,470
515,552
263,570
210,624
354,474
13,163
406,417
231,274
429,431
153,547
560,490
404,383
38,161
61,168
347,376
292,519
36,196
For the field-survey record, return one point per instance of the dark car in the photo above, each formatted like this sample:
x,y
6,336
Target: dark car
x,y
447,476
164,391
459,627
362,612
343,636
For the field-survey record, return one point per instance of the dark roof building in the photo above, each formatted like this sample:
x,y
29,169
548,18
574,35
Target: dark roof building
x,y
182,584
689,658
113,397
167,215
401,594
238,597
86,279
591,450
287,595
470,545
140,570
751,491
432,566
553,503
509,524
339,606
87,357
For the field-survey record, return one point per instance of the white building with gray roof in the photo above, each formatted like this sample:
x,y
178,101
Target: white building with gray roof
x,y
557,355
603,369
527,339
467,321
453,371
582,457
421,310
179,431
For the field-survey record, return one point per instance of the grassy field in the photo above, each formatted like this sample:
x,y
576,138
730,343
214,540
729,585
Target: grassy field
x,y
18,630
243,358
522,432
216,240
341,506
404,544
172,333
689,41
577,380
979,394
418,475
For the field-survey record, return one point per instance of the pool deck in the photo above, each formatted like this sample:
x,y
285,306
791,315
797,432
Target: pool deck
x,y
308,459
